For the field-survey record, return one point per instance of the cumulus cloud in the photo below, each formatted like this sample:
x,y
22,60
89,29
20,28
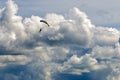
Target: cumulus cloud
x,y
6,60
86,63
71,45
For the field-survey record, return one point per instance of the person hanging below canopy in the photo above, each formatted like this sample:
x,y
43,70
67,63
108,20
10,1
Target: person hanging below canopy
x,y
43,21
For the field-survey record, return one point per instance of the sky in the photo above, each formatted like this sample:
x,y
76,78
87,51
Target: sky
x,y
103,12
82,42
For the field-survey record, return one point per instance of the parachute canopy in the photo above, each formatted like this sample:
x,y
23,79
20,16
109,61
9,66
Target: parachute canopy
x,y
45,22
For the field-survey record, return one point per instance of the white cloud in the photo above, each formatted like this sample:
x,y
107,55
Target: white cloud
x,y
106,36
6,60
54,49
78,65
104,52
115,75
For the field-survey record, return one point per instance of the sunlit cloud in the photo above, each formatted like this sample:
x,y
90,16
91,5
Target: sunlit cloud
x,y
72,45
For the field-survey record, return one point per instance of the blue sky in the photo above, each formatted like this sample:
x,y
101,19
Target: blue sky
x,y
100,12
77,45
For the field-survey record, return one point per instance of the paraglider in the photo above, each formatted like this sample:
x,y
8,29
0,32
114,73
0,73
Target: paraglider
x,y
45,23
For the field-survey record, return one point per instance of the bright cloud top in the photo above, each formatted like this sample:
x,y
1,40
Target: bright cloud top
x,y
71,45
